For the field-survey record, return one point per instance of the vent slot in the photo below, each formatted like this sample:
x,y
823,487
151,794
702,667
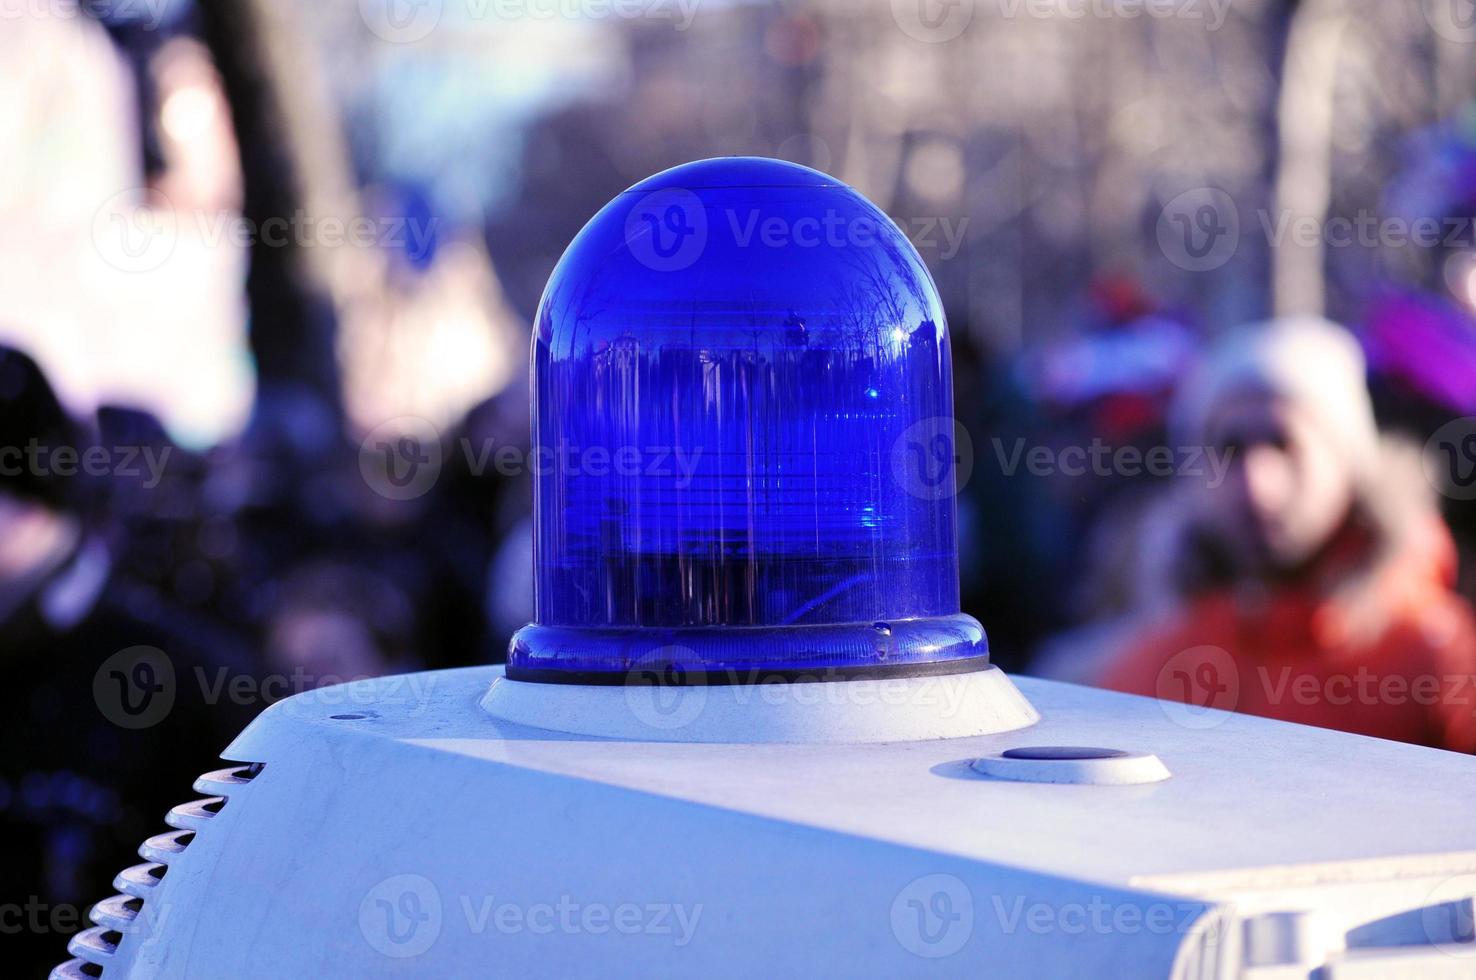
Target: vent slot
x,y
117,912
196,813
97,944
164,848
222,781
123,914
140,879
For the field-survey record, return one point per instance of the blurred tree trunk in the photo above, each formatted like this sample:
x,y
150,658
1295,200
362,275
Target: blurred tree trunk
x,y
295,168
1303,187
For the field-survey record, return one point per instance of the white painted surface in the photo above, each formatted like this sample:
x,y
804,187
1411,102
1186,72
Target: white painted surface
x,y
898,709
806,859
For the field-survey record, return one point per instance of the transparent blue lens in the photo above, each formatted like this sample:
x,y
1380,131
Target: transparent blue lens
x,y
743,431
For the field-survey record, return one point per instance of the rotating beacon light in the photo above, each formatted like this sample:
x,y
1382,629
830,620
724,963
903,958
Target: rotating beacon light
x,y
743,412
743,418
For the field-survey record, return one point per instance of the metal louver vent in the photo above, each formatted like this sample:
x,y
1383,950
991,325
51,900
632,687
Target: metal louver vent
x,y
125,913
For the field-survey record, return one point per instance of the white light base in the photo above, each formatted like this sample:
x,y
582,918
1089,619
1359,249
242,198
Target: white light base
x,y
895,709
397,830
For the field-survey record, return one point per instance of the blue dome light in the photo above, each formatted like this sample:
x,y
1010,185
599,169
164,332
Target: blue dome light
x,y
743,431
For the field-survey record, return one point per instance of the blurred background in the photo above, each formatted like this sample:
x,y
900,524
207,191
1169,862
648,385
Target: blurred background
x,y
249,248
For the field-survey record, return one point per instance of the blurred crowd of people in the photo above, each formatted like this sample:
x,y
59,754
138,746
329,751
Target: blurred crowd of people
x,y
1310,578
154,599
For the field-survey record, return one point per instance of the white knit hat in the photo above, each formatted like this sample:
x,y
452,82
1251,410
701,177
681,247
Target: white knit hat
x,y
1312,362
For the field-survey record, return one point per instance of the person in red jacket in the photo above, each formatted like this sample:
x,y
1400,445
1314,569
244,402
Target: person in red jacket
x,y
1314,582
